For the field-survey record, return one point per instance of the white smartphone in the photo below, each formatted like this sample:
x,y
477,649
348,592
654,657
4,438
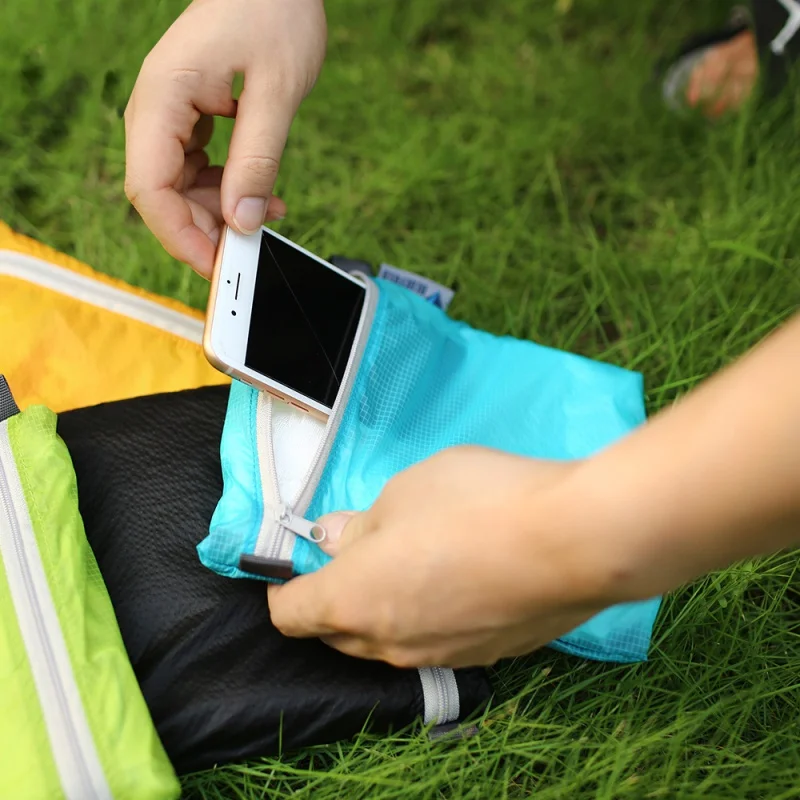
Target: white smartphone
x,y
281,319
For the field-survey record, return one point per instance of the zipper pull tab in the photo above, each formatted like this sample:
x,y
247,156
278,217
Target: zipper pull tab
x,y
299,525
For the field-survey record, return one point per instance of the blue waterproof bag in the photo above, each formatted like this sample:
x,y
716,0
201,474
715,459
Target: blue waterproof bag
x,y
418,382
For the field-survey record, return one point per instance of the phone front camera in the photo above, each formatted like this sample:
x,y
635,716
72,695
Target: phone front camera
x,y
233,313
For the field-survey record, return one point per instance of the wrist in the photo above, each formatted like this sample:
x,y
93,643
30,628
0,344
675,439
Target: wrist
x,y
644,520
576,535
613,557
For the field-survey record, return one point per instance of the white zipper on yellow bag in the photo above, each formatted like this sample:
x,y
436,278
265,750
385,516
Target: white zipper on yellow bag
x,y
74,752
279,517
80,287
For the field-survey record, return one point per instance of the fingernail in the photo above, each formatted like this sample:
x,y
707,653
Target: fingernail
x,y
334,525
250,213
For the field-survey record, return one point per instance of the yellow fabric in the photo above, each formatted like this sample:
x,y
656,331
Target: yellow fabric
x,y
65,353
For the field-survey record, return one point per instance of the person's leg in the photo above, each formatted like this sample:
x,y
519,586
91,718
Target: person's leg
x,y
725,76
719,72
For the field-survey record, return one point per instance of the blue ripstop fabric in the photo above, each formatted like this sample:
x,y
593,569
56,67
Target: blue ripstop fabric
x,y
427,382
237,517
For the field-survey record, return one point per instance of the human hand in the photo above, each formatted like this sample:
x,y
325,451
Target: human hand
x,y
185,81
475,555
464,559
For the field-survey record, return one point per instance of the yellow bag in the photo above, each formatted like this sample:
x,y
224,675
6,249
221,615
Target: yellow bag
x,y
71,337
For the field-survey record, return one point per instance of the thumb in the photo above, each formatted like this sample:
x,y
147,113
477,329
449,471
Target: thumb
x,y
262,124
342,529
300,607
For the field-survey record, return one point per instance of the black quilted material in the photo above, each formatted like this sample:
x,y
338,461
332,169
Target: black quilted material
x,y
218,678
7,405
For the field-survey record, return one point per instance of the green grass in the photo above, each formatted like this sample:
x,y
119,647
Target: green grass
x,y
523,152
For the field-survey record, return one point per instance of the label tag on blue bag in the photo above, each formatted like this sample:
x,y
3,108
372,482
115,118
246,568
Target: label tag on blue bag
x,y
433,292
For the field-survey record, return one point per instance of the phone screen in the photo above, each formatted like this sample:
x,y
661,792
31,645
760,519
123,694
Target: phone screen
x,y
303,321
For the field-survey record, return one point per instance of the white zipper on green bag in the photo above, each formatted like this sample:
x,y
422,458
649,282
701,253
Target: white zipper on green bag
x,y
283,518
73,748
80,287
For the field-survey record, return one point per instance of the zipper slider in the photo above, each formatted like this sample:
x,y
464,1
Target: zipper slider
x,y
300,526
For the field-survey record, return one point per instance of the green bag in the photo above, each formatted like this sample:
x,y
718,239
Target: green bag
x,y
73,722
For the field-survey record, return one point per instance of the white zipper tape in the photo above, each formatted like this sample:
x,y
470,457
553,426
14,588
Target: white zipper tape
x,y
299,526
81,287
268,533
440,696
74,752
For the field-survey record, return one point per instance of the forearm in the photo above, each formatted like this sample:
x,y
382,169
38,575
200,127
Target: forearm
x,y
712,480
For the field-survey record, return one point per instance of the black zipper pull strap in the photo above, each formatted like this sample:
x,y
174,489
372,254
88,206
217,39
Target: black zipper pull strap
x,y
8,408
266,567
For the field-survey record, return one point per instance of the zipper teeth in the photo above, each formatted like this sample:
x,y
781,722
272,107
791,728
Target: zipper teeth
x,y
453,697
267,450
67,734
88,290
440,695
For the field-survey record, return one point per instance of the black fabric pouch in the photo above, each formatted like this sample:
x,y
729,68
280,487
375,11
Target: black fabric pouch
x,y
221,682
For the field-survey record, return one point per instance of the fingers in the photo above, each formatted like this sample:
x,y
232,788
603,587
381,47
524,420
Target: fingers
x,y
209,177
165,212
170,217
161,121
201,134
262,125
195,163
300,607
208,198
208,225
355,646
372,650
206,193
185,81
339,529
307,606
276,209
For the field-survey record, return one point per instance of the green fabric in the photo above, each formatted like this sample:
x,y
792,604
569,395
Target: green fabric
x,y
26,768
130,752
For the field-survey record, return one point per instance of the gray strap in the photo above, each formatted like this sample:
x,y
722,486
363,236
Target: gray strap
x,y
7,405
